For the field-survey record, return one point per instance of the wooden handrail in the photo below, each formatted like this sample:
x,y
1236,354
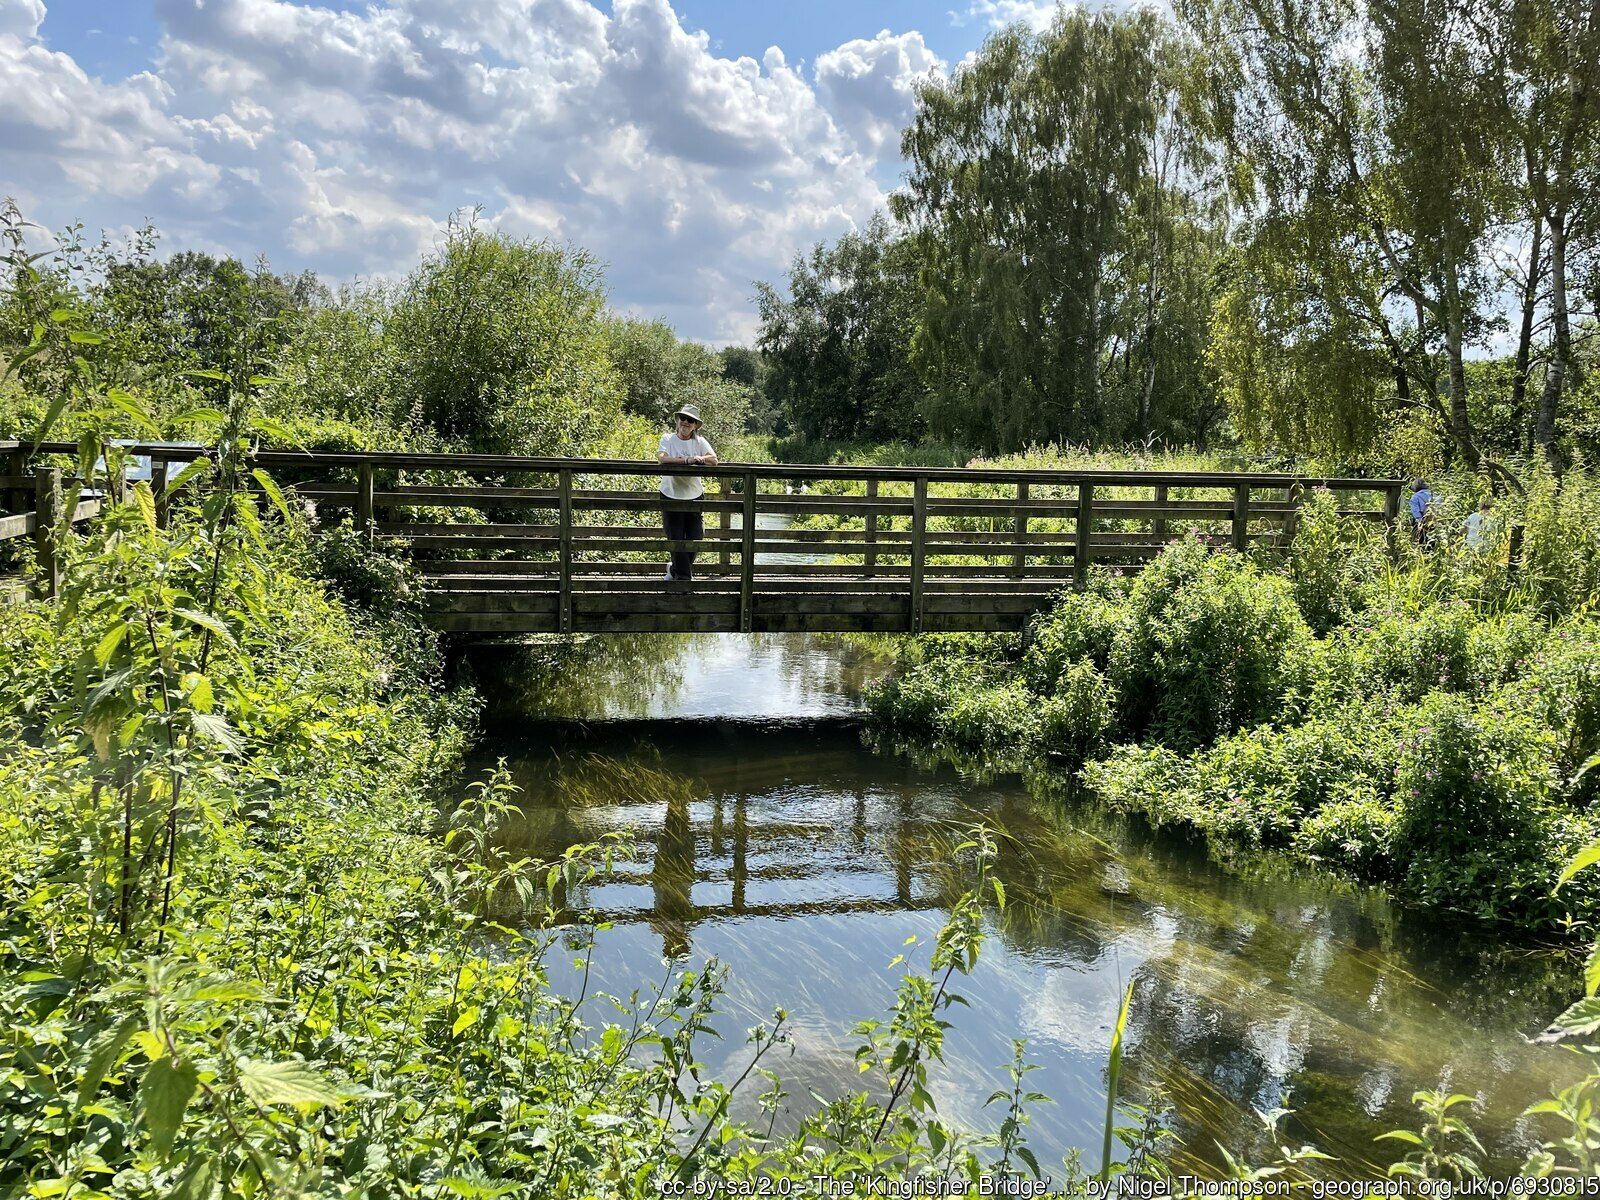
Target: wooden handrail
x,y
732,470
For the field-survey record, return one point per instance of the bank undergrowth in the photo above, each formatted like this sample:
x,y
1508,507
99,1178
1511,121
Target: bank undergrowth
x,y
1423,723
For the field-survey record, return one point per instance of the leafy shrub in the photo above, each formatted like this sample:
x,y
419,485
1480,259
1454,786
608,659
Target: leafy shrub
x,y
1477,795
1448,646
1078,716
1211,644
1356,832
1561,686
1081,628
1331,561
1561,543
365,576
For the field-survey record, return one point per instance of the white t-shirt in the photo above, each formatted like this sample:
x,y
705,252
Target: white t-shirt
x,y
683,487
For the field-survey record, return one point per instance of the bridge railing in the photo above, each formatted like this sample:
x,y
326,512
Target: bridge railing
x,y
504,534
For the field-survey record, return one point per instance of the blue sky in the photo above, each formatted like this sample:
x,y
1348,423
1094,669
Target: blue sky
x,y
694,145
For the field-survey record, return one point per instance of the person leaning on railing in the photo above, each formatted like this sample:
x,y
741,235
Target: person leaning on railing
x,y
684,445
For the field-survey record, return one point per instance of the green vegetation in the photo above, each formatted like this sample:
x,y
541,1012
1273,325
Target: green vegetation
x,y
1420,725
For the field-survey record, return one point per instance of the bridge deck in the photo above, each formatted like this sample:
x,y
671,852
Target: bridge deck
x,y
557,545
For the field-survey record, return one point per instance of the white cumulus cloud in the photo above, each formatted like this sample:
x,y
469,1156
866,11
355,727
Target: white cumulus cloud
x,y
341,140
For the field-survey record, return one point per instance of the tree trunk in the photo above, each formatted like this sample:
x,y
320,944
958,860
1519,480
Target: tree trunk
x,y
1555,375
1460,418
1530,297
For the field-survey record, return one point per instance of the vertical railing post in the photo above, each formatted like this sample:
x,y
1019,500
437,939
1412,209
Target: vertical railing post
x,y
872,527
1019,561
747,553
1291,519
13,462
1241,517
723,525
365,525
564,611
1084,523
1158,523
47,504
919,548
1391,517
159,471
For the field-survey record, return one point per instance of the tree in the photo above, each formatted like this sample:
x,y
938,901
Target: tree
x,y
660,374
1021,169
838,349
1369,164
500,344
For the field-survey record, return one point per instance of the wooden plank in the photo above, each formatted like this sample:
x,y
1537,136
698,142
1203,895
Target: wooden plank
x,y
655,623
566,552
831,623
1391,517
20,525
1020,560
545,603
1241,517
747,552
1014,603
871,562
364,503
671,597
47,506
919,553
447,528
493,622
881,603
1084,523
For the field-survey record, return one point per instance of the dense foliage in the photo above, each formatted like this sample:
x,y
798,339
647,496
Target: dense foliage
x,y
1423,725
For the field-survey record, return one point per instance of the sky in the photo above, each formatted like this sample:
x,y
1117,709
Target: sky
x,y
695,146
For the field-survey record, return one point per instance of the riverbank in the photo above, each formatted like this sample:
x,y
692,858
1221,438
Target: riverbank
x,y
1423,725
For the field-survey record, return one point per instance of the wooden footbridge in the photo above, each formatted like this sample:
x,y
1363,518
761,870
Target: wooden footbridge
x,y
513,545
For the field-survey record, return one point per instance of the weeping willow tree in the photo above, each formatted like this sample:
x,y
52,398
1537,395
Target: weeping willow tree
x,y
1022,165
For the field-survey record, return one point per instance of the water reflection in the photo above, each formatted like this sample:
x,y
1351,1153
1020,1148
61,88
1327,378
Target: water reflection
x,y
804,861
657,676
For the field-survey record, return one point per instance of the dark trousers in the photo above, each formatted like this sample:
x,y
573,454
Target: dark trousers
x,y
683,527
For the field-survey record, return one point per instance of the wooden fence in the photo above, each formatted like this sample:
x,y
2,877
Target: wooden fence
x,y
514,544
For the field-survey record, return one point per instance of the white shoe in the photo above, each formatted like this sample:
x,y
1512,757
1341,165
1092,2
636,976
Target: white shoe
x,y
668,576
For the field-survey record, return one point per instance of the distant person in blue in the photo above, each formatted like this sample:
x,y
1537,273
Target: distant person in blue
x,y
684,445
1421,513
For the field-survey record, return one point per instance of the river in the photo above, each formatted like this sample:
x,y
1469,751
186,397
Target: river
x,y
770,836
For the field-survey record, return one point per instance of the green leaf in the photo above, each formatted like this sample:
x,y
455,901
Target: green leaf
x,y
205,373
145,500
274,493
481,1189
79,337
103,1054
132,409
1400,1135
164,1094
1586,857
199,1182
61,315
205,621
468,1017
289,1082
272,429
107,646
1591,972
214,728
264,380
203,416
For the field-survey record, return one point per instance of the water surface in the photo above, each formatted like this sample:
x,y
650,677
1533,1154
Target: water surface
x,y
770,837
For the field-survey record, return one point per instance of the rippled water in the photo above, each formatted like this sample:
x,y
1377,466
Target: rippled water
x,y
770,837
